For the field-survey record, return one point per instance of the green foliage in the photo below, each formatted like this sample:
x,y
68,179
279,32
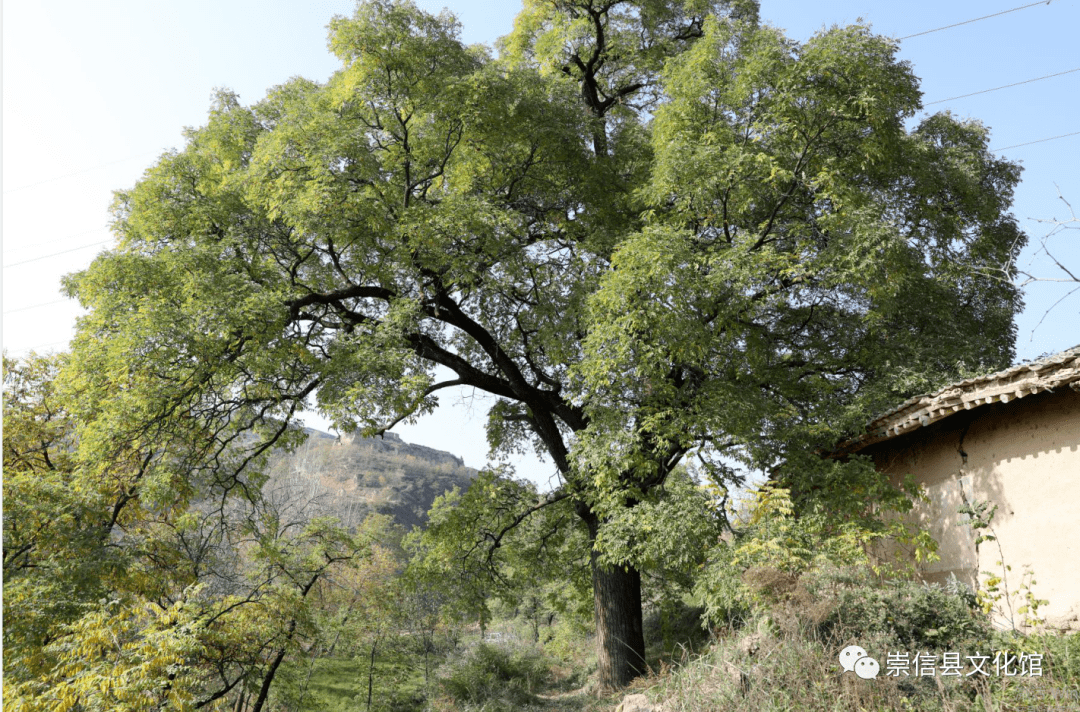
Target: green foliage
x,y
54,558
669,537
356,611
339,684
1030,605
456,553
1063,652
993,595
917,616
638,37
667,533
850,519
568,643
648,228
980,516
673,630
120,598
496,677
793,270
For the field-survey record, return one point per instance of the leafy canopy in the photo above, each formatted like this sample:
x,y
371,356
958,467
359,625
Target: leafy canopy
x,y
760,258
649,229
119,598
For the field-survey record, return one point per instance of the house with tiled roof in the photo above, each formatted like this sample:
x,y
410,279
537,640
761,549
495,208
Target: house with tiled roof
x,y
1012,439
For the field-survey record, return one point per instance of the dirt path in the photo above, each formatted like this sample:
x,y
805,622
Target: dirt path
x,y
570,700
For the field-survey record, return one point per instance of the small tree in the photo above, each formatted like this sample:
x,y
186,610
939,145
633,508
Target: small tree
x,y
118,598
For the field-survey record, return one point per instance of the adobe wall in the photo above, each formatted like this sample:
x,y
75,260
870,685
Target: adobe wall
x,y
1023,456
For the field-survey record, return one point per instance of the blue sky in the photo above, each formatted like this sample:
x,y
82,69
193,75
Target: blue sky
x,y
93,92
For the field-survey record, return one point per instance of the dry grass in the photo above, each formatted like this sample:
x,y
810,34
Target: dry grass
x,y
765,671
786,660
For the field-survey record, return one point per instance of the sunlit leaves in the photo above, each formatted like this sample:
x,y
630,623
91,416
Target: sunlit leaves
x,y
647,228
795,249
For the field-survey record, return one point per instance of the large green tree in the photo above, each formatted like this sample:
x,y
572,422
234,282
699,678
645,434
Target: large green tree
x,y
648,228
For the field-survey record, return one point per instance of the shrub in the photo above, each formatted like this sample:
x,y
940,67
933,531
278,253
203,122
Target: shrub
x,y
671,630
496,677
777,541
916,615
570,642
1064,652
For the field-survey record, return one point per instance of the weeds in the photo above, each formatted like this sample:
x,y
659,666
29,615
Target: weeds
x,y
786,656
496,677
994,595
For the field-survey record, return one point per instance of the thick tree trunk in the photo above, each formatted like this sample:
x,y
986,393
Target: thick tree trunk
x,y
620,641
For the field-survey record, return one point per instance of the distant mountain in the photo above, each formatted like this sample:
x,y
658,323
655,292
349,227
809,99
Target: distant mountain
x,y
350,477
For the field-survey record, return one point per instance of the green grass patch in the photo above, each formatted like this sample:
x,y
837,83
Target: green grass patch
x,y
342,683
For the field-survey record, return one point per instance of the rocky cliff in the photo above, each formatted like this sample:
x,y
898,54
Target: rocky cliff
x,y
350,477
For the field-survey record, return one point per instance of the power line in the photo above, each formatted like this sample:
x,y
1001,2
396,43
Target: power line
x,y
77,173
55,240
35,306
1041,140
968,22
41,346
984,91
62,252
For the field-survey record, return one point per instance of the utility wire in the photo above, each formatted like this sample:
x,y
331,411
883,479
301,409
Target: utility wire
x,y
35,306
1041,140
54,241
992,150
62,252
40,346
968,22
984,91
77,173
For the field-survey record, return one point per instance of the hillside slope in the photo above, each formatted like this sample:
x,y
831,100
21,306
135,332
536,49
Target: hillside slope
x,y
350,477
